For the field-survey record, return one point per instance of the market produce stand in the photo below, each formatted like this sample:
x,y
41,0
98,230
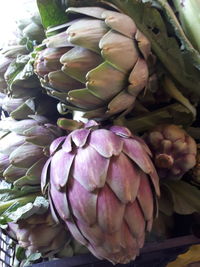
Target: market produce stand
x,y
100,134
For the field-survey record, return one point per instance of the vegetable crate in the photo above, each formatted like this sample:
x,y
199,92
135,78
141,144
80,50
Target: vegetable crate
x,y
6,251
154,254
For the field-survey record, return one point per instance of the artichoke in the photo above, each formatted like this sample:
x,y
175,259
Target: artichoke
x,y
174,151
24,148
103,185
24,94
31,28
39,233
17,78
97,64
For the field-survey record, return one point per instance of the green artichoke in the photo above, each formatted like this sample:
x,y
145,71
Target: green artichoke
x,y
17,78
103,185
97,64
24,148
174,151
23,94
39,233
31,28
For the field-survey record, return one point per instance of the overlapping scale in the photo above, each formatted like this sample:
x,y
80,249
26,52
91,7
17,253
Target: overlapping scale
x,y
107,202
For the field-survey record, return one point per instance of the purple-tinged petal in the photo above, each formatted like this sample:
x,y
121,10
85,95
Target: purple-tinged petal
x,y
56,143
120,23
149,225
108,205
155,181
80,137
141,240
112,242
135,219
53,210
67,145
76,233
129,240
87,33
93,234
145,197
82,202
123,178
143,44
44,175
121,131
60,168
91,123
142,142
94,252
90,168
59,199
106,143
136,152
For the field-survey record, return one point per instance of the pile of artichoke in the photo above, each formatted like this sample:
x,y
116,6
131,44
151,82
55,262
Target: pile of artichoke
x,y
99,129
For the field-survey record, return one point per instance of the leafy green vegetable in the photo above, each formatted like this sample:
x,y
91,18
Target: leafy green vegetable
x,y
185,197
174,114
52,13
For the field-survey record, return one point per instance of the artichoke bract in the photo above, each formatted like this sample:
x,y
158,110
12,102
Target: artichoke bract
x,y
103,185
174,151
39,233
96,64
24,148
195,172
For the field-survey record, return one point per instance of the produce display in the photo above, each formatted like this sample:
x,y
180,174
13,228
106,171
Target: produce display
x,y
100,128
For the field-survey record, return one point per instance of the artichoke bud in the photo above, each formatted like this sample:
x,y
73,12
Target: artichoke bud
x,y
92,180
24,147
39,233
174,151
83,67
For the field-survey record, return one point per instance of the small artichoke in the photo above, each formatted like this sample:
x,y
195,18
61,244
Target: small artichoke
x,y
97,64
39,233
174,151
103,185
24,148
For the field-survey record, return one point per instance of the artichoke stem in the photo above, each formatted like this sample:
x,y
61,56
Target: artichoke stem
x,y
164,161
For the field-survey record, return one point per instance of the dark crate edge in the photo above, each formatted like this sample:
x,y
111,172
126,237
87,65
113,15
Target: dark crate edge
x,y
155,254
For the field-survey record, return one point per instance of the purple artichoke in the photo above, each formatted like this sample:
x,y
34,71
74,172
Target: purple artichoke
x,y
39,233
103,185
174,151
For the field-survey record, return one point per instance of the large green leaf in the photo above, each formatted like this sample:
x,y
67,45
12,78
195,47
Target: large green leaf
x,y
52,12
185,197
174,114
